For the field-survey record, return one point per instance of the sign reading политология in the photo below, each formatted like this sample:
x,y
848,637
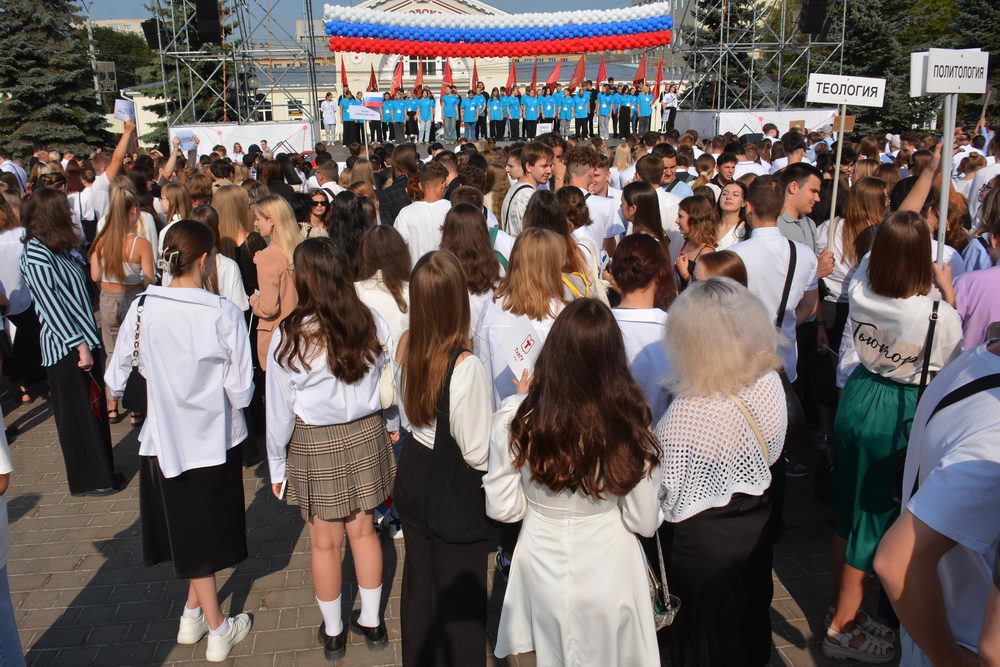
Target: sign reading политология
x,y
854,90
957,71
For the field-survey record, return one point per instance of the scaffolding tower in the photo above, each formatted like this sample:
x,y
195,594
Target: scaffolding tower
x,y
757,58
253,59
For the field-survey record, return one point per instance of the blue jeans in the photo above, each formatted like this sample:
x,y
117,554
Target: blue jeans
x,y
424,130
470,131
11,654
450,127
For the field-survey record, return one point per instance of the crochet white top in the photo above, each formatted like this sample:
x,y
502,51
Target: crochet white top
x,y
710,451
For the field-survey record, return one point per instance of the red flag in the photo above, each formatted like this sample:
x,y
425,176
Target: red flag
x,y
343,74
511,77
96,398
534,75
475,76
447,81
640,71
397,77
418,86
373,82
602,72
659,79
578,74
554,76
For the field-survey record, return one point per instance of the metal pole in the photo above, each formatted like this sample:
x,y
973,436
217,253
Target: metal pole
x,y
836,179
313,101
93,57
950,107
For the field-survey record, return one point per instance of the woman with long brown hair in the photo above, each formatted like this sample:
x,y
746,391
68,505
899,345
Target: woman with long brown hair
x,y
383,276
732,210
464,235
641,209
326,436
698,221
528,298
238,240
403,188
319,216
544,211
571,455
121,264
445,404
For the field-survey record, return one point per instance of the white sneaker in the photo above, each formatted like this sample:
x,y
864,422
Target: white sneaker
x,y
192,629
219,647
395,529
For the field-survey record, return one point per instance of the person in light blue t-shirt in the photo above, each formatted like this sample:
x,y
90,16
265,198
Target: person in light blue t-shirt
x,y
550,107
471,110
565,112
645,102
581,108
497,110
605,110
514,113
532,104
398,118
425,116
449,112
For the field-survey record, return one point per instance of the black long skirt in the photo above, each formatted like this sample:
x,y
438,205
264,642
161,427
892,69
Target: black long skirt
x,y
84,434
195,519
719,564
24,366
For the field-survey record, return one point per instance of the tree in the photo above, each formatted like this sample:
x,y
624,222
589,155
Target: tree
x,y
45,80
135,63
976,26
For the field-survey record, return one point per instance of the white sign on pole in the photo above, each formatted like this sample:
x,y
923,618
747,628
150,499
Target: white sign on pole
x,y
854,90
918,73
957,71
364,113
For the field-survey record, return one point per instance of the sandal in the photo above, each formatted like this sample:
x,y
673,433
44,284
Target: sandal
x,y
119,416
872,651
25,396
871,627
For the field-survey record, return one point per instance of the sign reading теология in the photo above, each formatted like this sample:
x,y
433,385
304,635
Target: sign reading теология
x,y
854,90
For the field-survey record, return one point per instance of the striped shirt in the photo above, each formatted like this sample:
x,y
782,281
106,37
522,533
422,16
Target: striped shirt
x,y
58,283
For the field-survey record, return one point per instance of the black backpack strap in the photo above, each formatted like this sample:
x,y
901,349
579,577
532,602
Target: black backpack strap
x,y
928,342
507,215
792,258
968,390
672,184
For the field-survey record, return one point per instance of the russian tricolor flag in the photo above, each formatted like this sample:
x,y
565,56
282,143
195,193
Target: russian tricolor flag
x,y
372,100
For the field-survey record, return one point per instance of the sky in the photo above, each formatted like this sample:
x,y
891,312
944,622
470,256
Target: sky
x,y
288,10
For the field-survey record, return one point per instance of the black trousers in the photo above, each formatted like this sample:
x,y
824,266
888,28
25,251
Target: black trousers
x,y
84,434
515,128
481,128
443,601
530,129
671,118
557,125
350,128
24,365
496,129
614,124
581,127
376,131
624,122
590,124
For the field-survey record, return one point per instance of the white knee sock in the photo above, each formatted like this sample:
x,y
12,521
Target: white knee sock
x,y
331,616
371,600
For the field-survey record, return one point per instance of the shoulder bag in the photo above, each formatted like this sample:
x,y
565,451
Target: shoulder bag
x,y
456,504
665,605
134,397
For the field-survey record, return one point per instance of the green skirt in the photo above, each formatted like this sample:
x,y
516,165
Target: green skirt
x,y
869,438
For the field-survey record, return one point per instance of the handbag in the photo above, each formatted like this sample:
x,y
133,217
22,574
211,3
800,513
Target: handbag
x,y
456,503
134,397
665,605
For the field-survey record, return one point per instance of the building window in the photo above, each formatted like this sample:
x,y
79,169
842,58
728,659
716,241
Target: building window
x,y
295,108
263,108
430,65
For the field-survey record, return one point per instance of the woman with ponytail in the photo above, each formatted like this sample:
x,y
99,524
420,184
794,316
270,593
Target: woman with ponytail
x,y
121,264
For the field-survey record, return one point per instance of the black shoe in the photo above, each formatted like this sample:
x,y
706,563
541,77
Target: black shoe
x,y
333,647
119,485
502,570
376,638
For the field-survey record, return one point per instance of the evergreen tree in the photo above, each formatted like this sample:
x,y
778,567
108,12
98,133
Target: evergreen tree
x,y
46,81
977,25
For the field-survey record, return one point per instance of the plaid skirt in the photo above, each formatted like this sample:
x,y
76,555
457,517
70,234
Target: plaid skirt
x,y
336,470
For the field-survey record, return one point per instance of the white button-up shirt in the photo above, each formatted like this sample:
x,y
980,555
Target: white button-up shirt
x,y
194,351
420,226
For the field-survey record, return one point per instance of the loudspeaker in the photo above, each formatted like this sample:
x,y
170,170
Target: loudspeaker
x,y
206,17
153,31
812,18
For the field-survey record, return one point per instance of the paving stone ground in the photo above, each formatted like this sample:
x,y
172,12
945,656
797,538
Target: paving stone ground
x,y
82,595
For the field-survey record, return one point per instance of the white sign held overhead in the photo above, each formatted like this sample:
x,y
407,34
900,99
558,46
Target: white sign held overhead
x,y
854,90
957,71
124,109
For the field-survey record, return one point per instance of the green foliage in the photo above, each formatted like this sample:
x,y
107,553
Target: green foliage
x,y
977,25
46,82
135,63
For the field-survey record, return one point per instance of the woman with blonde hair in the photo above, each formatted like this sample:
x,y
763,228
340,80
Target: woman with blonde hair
x,y
864,169
368,200
177,205
237,238
720,436
497,185
698,221
362,171
121,263
529,297
704,165
276,297
622,162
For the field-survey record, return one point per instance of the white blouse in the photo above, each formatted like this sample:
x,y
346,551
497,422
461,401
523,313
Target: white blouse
x,y
469,419
838,280
318,397
374,294
642,330
194,351
710,451
227,274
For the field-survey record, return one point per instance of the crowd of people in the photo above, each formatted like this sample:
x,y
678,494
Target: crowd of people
x,y
594,365
501,114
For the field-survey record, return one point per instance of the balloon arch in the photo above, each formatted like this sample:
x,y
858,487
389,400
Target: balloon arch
x,y
358,30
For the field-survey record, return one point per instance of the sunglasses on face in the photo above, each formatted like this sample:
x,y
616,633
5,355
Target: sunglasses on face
x,y
316,204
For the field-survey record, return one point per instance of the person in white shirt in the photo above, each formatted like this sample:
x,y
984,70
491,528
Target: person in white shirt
x,y
420,223
639,268
108,169
944,544
237,154
671,181
328,378
581,164
767,257
984,176
193,349
746,162
649,168
890,317
465,235
444,399
10,642
581,405
324,177
732,215
721,441
328,109
383,276
536,162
